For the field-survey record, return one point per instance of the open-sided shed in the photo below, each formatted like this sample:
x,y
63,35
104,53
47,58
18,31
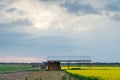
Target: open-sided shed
x,y
54,61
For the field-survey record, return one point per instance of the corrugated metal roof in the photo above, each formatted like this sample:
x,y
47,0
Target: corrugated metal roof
x,y
68,58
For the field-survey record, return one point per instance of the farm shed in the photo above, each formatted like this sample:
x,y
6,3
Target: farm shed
x,y
54,61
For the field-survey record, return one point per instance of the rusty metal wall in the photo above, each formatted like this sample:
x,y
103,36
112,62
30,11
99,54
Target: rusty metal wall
x,y
54,66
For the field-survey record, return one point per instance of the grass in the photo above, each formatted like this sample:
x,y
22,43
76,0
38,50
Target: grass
x,y
8,68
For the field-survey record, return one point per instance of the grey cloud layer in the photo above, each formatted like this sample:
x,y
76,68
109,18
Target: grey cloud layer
x,y
113,5
78,9
18,25
85,7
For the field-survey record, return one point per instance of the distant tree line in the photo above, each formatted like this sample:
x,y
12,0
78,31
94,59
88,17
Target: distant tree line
x,y
34,64
45,63
94,64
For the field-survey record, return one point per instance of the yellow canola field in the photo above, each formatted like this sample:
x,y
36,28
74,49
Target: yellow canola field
x,y
91,67
110,74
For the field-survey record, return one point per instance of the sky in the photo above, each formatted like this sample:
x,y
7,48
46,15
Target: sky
x,y
31,30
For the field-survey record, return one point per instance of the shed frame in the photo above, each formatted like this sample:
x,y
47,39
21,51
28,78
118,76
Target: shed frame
x,y
70,59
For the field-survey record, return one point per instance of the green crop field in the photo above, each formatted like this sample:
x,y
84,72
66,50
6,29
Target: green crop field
x,y
8,68
96,73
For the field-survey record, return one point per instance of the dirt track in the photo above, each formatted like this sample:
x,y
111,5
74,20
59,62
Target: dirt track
x,y
42,75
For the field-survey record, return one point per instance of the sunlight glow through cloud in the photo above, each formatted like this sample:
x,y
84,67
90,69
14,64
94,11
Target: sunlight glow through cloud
x,y
52,18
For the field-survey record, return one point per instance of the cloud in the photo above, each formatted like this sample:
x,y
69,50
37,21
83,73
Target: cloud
x,y
116,17
77,8
112,9
46,19
113,6
21,59
55,18
59,27
19,26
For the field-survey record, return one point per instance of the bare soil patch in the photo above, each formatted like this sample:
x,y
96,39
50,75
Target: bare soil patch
x,y
41,75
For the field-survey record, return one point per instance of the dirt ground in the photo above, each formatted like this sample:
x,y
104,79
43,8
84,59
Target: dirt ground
x,y
42,75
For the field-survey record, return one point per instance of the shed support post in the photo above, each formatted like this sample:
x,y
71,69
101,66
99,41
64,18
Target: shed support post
x,y
68,65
